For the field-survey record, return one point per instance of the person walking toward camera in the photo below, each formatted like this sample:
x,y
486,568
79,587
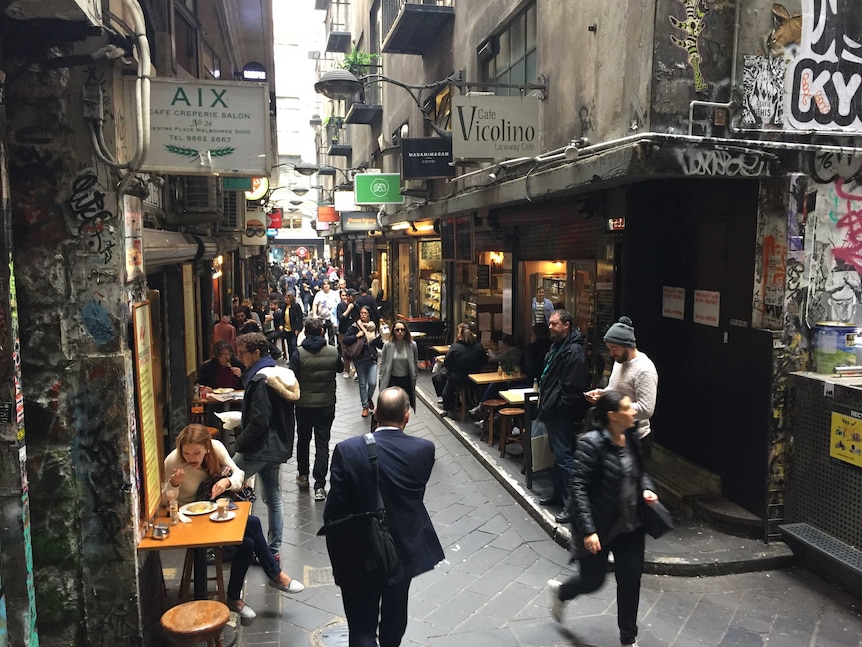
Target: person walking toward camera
x,y
366,363
608,478
404,465
316,364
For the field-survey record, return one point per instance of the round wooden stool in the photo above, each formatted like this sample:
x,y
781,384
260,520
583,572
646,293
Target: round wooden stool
x,y
508,415
491,407
201,621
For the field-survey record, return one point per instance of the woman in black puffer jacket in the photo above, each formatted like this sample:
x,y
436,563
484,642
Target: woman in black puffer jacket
x,y
607,481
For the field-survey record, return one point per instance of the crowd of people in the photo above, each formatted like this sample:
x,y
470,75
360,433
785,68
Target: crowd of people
x,y
597,436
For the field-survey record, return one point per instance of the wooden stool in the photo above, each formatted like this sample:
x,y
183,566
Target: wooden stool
x,y
198,414
507,421
201,621
186,579
491,407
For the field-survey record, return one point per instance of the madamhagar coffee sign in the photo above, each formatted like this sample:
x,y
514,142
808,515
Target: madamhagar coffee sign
x,y
486,127
426,157
208,127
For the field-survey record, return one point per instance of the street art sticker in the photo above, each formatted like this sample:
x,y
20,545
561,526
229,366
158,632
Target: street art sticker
x,y
845,438
824,81
763,91
693,25
783,41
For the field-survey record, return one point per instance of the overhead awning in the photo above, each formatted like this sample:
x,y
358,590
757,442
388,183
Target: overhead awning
x,y
162,247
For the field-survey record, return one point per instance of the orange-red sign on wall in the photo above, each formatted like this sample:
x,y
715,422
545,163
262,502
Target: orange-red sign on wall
x,y
273,218
327,213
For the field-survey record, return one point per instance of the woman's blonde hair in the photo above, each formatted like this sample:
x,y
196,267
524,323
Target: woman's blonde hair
x,y
199,435
466,334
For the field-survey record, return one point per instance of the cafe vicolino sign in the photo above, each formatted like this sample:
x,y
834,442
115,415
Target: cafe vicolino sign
x,y
487,127
208,127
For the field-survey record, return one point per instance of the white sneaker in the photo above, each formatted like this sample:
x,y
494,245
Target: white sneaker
x,y
245,612
346,375
557,605
634,644
319,494
516,431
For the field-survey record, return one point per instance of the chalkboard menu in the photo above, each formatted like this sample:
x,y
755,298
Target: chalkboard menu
x,y
431,250
483,277
447,239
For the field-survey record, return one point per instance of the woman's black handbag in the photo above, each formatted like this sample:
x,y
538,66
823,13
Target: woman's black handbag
x,y
354,350
360,547
206,488
655,518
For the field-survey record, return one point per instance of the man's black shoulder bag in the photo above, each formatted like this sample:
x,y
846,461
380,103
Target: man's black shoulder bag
x,y
360,547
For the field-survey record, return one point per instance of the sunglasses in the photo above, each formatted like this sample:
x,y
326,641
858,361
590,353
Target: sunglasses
x,y
400,330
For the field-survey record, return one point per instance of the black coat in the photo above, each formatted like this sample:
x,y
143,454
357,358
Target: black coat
x,y
567,378
463,359
594,487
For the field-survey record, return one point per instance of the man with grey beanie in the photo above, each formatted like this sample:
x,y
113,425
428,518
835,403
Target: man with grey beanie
x,y
633,373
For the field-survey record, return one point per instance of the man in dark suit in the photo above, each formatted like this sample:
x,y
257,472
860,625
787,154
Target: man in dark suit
x,y
404,467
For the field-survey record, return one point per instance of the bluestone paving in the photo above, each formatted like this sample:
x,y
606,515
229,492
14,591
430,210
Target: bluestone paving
x,y
499,554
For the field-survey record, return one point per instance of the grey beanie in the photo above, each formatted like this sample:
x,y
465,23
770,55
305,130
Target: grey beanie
x,y
621,333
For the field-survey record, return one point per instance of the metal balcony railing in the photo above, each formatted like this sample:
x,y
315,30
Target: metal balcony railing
x,y
392,7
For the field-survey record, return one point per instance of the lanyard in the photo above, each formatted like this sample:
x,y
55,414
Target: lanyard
x,y
550,361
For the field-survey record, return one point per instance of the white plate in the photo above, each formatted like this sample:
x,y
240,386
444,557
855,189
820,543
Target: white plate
x,y
198,507
223,390
230,515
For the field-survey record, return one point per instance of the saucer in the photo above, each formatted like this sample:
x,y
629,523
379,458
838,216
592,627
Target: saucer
x,y
214,516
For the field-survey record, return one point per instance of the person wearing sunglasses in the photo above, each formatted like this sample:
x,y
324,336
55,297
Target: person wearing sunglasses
x,y
399,365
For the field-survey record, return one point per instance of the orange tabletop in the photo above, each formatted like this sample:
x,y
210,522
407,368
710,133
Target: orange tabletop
x,y
440,350
202,532
515,396
494,377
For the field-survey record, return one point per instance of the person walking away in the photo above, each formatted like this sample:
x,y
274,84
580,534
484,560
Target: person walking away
x,y
404,465
198,461
325,303
346,313
562,405
224,331
316,365
633,374
608,478
542,308
265,439
465,356
399,364
366,365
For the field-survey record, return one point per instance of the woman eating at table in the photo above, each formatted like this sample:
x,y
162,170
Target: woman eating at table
x,y
223,370
196,460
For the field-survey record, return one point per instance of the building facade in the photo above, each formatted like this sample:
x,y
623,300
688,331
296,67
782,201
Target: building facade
x,y
98,242
695,167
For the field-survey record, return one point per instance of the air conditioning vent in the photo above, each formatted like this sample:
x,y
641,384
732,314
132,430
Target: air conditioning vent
x,y
234,210
201,194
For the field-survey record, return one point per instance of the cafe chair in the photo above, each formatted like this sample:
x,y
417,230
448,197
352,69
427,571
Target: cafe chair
x,y
193,623
188,568
492,407
508,417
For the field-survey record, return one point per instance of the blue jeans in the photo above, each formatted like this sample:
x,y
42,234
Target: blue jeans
x,y
269,479
252,543
561,437
366,370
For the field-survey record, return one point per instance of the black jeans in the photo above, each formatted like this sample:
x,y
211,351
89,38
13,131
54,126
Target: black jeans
x,y
315,422
366,606
628,549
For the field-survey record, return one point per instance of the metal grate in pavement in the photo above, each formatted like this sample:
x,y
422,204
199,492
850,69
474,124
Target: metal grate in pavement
x,y
824,543
332,635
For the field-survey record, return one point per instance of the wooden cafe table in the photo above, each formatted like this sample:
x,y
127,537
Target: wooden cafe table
x,y
484,379
201,533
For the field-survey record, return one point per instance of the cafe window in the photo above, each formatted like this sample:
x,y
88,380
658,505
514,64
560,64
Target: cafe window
x,y
509,57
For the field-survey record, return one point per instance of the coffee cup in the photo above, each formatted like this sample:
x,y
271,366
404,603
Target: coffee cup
x,y
223,504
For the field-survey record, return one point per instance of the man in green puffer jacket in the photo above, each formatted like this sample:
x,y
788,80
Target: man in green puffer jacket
x,y
316,365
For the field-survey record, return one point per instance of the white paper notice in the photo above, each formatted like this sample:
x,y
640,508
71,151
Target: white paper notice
x,y
484,321
673,302
498,321
706,307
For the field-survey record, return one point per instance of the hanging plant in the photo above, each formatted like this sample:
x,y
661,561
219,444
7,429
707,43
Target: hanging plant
x,y
358,62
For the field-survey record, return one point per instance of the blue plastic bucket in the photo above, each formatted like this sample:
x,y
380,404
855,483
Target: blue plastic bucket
x,y
834,345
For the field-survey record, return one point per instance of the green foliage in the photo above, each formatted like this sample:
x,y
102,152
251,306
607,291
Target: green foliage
x,y
359,63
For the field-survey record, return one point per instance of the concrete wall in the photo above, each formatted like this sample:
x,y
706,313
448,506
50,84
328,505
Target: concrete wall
x,y
76,365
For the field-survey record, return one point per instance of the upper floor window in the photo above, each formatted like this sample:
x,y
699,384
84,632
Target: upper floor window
x,y
509,56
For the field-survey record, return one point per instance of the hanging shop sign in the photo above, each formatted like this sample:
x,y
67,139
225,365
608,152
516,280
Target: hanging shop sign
x,y
259,187
327,213
254,232
274,218
237,183
426,157
363,221
377,188
486,127
207,127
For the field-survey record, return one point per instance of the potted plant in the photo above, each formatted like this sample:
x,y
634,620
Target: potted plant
x,y
333,125
359,63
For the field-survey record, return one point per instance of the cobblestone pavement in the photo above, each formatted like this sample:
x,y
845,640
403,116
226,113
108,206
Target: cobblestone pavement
x,y
491,588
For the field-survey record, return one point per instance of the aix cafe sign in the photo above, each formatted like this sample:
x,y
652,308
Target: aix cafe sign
x,y
487,127
208,127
